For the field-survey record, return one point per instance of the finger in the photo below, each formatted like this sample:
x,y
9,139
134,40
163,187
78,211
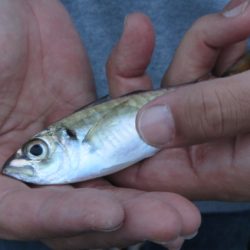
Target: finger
x,y
197,113
175,244
148,217
200,48
243,64
127,64
34,214
229,56
67,72
98,183
188,213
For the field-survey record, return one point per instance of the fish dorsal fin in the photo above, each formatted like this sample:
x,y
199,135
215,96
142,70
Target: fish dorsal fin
x,y
106,125
94,103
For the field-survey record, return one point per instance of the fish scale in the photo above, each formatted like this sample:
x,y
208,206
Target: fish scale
x,y
95,141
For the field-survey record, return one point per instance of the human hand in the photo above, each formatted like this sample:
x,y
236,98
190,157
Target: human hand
x,y
45,75
214,112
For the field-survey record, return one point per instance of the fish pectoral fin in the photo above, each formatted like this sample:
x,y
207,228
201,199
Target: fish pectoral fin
x,y
104,127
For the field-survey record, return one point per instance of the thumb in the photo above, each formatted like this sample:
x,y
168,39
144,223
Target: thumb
x,y
197,113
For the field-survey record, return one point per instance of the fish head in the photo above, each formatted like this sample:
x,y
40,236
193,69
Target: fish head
x,y
44,159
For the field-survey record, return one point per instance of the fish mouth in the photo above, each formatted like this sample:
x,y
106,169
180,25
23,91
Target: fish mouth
x,y
18,172
17,167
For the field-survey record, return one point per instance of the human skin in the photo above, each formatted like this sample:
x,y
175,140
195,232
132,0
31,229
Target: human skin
x,y
208,152
45,75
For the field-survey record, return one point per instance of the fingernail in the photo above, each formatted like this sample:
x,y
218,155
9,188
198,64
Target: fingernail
x,y
156,125
236,10
191,236
112,229
125,20
169,244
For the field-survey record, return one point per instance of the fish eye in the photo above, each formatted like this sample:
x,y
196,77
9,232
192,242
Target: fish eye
x,y
36,149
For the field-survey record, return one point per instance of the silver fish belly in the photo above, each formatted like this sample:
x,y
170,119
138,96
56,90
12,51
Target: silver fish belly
x,y
96,141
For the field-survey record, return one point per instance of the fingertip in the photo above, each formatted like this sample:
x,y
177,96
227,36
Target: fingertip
x,y
129,59
191,217
69,212
114,216
186,211
164,223
136,45
175,244
137,19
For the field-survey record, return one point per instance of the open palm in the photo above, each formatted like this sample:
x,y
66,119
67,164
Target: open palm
x,y
45,75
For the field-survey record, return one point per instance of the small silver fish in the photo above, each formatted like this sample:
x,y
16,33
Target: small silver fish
x,y
96,141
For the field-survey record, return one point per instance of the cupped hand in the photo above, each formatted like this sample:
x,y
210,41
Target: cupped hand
x,y
202,128
45,75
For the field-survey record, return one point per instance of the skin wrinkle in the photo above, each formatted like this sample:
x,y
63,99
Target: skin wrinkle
x,y
190,117
225,193
211,118
241,102
22,127
204,45
228,57
18,126
205,121
203,32
108,239
47,202
221,121
235,102
205,111
68,104
192,161
214,48
57,195
156,204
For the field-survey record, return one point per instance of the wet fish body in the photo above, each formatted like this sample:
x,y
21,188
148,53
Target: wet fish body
x,y
96,141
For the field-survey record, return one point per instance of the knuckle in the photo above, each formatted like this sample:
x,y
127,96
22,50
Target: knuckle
x,y
238,108
213,120
223,112
201,32
169,230
201,24
206,114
